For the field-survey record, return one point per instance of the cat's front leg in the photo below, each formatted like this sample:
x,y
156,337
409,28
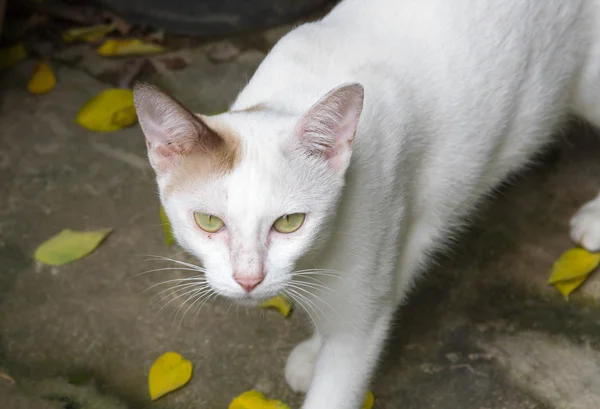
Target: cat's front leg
x,y
346,361
585,225
300,365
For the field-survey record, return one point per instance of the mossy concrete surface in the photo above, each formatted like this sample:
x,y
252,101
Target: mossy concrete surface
x,y
481,331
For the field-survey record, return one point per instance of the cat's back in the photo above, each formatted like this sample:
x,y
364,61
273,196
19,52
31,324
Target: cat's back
x,y
426,43
398,31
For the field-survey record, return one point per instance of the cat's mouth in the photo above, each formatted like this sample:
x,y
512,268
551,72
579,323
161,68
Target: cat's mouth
x,y
263,292
252,299
247,301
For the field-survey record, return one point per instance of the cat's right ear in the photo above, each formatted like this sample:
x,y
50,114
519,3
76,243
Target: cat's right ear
x,y
171,130
327,130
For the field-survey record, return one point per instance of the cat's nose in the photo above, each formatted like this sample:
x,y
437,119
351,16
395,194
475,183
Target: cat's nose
x,y
248,283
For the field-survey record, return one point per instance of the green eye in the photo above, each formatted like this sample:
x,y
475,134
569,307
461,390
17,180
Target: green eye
x,y
289,223
208,223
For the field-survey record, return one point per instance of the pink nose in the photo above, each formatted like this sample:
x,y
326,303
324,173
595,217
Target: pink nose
x,y
249,283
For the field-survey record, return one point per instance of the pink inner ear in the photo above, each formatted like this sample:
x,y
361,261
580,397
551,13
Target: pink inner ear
x,y
170,129
328,128
155,135
169,124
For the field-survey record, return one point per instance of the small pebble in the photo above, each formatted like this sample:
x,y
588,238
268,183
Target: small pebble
x,y
222,52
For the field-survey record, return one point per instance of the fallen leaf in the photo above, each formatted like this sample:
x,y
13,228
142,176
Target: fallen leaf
x,y
281,303
90,34
567,287
256,400
42,80
169,372
11,55
369,401
115,47
69,245
7,378
110,110
572,268
574,263
164,220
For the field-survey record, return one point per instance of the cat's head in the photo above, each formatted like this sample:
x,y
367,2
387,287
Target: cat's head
x,y
249,192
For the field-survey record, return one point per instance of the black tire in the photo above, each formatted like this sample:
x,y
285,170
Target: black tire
x,y
210,18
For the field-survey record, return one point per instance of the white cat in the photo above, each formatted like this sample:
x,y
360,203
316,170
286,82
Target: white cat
x,y
360,144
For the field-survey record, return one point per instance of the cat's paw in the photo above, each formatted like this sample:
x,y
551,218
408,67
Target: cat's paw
x,y
585,226
301,364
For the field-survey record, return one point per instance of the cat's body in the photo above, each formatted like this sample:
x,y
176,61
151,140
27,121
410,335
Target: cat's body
x,y
457,95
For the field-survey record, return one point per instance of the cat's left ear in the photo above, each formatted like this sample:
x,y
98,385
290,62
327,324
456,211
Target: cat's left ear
x,y
328,128
171,130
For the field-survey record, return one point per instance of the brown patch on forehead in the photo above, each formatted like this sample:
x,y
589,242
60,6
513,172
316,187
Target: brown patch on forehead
x,y
227,154
202,164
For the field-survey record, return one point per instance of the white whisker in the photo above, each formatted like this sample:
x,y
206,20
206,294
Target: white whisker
x,y
167,268
178,288
316,286
318,298
213,296
297,300
228,308
181,295
183,263
319,272
191,305
309,304
311,301
192,295
198,294
197,279
312,270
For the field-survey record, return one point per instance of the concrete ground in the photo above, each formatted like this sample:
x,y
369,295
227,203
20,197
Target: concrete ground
x,y
482,331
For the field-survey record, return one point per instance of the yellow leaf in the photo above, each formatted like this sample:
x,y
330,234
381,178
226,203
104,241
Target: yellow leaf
x,y
88,34
164,220
169,372
574,263
12,55
69,245
567,287
115,47
369,401
256,400
43,79
281,303
110,110
572,268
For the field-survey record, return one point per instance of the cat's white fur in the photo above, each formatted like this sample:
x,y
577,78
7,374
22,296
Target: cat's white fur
x,y
457,95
